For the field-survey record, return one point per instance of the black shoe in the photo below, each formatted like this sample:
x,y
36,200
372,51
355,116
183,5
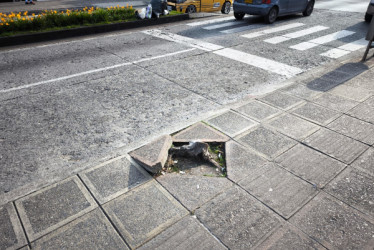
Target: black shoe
x,y
26,3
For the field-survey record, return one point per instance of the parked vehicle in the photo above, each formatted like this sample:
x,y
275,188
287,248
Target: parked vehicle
x,y
191,6
370,12
271,9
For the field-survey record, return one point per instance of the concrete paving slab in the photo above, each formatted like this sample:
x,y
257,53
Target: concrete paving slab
x,y
268,143
111,180
301,91
335,102
316,113
310,165
336,145
334,224
240,161
289,237
153,155
144,212
200,132
258,110
281,100
354,93
91,231
365,162
186,234
231,123
24,248
355,188
293,126
237,219
363,111
11,233
342,74
355,128
364,81
323,84
193,191
50,208
278,189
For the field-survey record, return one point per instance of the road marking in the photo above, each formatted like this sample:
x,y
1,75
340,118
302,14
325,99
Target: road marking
x,y
259,62
183,40
223,25
322,40
92,71
273,30
346,49
289,36
217,20
243,28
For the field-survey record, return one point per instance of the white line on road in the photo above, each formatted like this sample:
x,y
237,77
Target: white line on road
x,y
259,62
346,49
243,28
322,40
273,30
217,20
91,71
222,25
297,34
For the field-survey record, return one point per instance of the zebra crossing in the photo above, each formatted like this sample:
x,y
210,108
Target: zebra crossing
x,y
229,25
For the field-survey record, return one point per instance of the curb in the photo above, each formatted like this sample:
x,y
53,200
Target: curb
x,y
82,31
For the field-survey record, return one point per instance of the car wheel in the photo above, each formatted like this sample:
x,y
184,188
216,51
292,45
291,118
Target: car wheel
x,y
191,9
239,16
309,8
272,15
226,7
368,17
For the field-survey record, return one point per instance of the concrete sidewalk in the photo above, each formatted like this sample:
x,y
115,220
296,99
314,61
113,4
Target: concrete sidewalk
x,y
300,175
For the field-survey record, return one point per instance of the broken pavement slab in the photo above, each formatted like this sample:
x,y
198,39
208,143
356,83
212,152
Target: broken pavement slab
x,y
200,132
153,155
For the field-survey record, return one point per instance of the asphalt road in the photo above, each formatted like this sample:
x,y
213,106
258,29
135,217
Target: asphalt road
x,y
69,105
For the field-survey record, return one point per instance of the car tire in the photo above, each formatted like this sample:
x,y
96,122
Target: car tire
x,y
309,8
368,17
226,7
272,15
238,16
191,9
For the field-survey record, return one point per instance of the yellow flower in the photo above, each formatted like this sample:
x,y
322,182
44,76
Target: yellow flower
x,y
7,24
25,13
1,24
23,19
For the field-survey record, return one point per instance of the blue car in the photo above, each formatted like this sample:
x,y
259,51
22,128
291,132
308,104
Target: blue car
x,y
271,9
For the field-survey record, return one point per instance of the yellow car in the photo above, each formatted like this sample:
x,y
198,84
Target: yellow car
x,y
191,6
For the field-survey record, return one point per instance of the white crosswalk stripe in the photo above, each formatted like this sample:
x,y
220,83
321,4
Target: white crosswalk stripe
x,y
273,30
217,20
243,28
322,40
346,49
297,34
223,25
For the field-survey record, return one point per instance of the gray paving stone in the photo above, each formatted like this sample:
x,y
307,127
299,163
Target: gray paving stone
x,y
240,161
365,162
354,188
113,179
91,231
339,75
356,94
281,100
200,132
278,189
334,224
24,248
267,142
363,111
289,237
335,102
258,110
11,233
48,209
231,123
293,126
352,127
193,191
336,145
316,113
153,155
301,91
237,219
323,84
310,165
365,81
143,212
187,234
